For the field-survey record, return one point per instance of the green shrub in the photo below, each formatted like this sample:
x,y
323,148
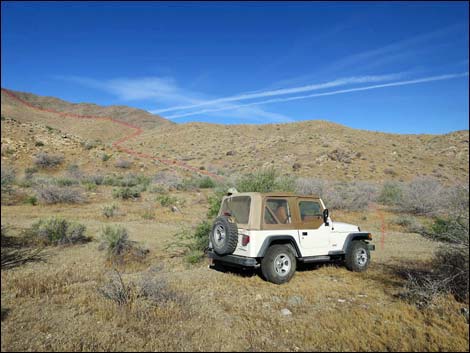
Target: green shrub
x,y
214,204
206,183
265,180
105,157
58,231
109,210
39,144
29,172
391,193
89,186
7,179
115,240
195,242
63,181
126,193
166,200
32,200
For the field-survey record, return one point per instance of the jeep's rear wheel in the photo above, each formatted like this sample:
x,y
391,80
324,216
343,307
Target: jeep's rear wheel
x,y
224,235
358,256
279,264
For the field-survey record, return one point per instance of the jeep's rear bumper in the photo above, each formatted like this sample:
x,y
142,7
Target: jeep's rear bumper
x,y
233,259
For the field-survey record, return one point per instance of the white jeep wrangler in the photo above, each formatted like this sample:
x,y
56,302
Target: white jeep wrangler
x,y
277,230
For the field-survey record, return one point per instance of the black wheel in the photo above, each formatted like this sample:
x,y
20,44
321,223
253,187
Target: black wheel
x,y
224,235
279,264
358,256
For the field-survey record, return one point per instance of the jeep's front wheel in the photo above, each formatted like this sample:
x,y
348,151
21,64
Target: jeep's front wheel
x,y
358,256
279,264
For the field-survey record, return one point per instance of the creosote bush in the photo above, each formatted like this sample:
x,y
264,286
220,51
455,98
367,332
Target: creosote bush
x,y
57,231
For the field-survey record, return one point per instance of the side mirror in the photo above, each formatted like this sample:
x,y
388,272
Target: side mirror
x,y
325,216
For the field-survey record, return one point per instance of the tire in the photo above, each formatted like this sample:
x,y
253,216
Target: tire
x,y
224,235
358,256
271,267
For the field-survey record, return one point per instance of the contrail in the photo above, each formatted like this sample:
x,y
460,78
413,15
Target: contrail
x,y
283,91
392,84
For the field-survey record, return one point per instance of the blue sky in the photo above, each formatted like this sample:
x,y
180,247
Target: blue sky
x,y
394,67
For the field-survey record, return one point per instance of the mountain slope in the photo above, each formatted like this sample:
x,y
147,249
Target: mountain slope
x,y
309,148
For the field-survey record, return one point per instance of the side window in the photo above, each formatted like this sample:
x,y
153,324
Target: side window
x,y
277,212
309,210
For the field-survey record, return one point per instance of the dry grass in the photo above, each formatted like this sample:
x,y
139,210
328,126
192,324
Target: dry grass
x,y
58,305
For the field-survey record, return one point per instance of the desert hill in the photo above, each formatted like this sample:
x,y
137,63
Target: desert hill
x,y
309,148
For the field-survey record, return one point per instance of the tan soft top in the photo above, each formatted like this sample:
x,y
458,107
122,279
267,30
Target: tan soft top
x,y
257,205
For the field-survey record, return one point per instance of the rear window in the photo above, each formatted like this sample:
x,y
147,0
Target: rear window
x,y
238,207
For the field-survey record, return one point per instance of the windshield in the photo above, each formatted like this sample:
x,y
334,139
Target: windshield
x,y
238,207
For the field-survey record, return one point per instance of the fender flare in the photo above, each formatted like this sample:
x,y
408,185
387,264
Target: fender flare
x,y
283,239
355,236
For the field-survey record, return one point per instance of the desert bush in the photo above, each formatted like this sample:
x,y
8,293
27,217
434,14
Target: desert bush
x,y
96,179
116,290
206,183
73,171
50,194
88,145
150,287
167,179
421,196
410,223
115,240
391,193
265,180
310,186
109,210
46,160
105,157
167,200
63,181
339,195
7,179
156,290
122,163
129,180
351,196
449,271
58,231
29,172
126,193
32,200
194,242
14,253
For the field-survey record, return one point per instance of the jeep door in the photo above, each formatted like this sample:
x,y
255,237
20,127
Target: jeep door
x,y
313,234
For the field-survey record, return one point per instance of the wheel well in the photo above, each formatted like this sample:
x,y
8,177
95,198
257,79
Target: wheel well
x,y
282,240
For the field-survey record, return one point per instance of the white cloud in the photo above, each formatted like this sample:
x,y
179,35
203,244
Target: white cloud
x,y
286,99
285,91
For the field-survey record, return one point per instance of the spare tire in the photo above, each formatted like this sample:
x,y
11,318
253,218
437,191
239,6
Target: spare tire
x,y
224,235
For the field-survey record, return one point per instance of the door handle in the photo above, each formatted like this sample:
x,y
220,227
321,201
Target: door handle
x,y
304,233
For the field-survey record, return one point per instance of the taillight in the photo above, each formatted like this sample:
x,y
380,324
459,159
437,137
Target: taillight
x,y
245,240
